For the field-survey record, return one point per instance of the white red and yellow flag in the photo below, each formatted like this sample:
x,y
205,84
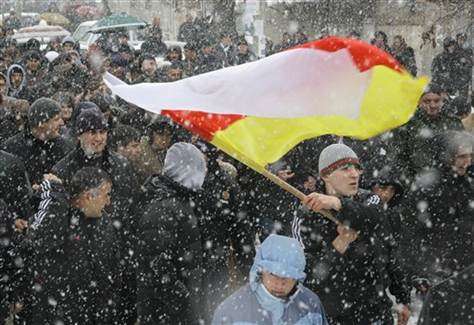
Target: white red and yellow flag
x,y
258,111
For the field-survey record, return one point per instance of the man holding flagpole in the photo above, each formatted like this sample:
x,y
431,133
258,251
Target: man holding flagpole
x,y
351,264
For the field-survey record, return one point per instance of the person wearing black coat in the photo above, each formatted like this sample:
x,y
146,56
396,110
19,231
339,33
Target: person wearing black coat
x,y
15,198
75,253
413,147
92,132
39,147
225,51
15,189
226,230
243,53
13,116
451,69
438,216
169,246
350,264
207,59
154,44
404,54
187,31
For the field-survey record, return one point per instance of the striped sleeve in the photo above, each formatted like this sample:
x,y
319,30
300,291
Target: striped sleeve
x,y
44,204
373,199
296,229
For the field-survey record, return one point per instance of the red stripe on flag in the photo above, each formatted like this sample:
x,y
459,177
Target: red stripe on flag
x,y
203,124
365,55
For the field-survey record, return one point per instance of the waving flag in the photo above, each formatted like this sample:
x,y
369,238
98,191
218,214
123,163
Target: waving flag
x,y
257,112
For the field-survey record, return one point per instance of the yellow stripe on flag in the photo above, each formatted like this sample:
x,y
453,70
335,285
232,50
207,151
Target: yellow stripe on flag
x,y
390,101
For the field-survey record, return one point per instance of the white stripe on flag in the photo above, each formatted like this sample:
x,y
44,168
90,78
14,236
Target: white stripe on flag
x,y
293,83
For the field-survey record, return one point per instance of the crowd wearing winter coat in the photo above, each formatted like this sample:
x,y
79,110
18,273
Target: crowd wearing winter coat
x,y
139,220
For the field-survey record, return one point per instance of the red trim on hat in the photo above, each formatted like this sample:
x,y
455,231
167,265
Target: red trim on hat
x,y
335,165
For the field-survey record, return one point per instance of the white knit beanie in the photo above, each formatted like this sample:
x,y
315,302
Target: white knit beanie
x,y
334,156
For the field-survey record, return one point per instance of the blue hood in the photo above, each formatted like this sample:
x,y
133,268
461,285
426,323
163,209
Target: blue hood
x,y
280,255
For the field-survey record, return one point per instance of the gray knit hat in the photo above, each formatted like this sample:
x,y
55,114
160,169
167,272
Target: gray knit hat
x,y
334,156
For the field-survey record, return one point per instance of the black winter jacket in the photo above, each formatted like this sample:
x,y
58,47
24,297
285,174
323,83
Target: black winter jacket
x,y
169,255
153,47
38,156
438,227
15,188
75,263
227,236
118,168
414,144
352,286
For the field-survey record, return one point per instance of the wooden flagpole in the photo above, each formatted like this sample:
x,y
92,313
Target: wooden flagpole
x,y
291,189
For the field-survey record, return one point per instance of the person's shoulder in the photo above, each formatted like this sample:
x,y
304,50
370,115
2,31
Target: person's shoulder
x,y
9,162
119,161
116,157
14,141
69,161
309,305
306,295
235,304
71,155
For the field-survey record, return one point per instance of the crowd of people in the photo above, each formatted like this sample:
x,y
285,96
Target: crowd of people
x,y
113,215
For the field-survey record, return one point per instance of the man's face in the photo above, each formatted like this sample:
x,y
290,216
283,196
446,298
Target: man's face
x,y
207,50
3,86
243,49
56,45
66,112
397,42
174,56
93,142
123,39
461,41
379,39
149,66
310,184
16,78
174,74
96,200
385,192
161,141
462,160
32,64
431,103
75,57
344,181
132,151
190,54
52,128
278,286
67,47
451,48
226,40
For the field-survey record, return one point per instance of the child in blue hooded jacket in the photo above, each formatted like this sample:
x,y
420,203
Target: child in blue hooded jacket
x,y
275,294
